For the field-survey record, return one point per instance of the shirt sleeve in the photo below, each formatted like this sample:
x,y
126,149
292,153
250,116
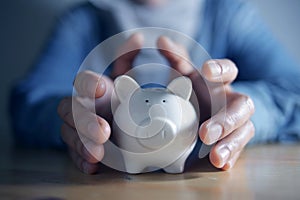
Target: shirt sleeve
x,y
267,74
34,99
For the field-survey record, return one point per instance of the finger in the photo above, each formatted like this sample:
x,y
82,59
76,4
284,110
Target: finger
x,y
176,54
68,105
90,84
90,124
127,53
227,120
89,151
232,161
64,110
227,149
224,71
83,165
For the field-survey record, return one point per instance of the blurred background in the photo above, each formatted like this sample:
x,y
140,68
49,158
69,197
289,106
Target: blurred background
x,y
25,25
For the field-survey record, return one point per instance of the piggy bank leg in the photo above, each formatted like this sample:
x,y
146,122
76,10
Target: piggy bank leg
x,y
178,166
133,165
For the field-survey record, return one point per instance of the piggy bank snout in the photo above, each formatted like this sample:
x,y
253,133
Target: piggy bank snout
x,y
158,134
154,122
157,130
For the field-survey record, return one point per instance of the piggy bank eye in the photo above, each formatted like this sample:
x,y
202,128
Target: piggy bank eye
x,y
147,101
164,101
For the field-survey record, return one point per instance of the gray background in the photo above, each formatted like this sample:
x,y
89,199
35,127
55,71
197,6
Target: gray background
x,y
25,25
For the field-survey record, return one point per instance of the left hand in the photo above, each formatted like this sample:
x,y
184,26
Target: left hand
x,y
86,138
230,129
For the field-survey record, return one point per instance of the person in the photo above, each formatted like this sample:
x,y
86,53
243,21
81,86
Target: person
x,y
257,72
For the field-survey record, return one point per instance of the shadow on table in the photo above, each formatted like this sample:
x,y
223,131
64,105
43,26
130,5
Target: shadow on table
x,y
31,167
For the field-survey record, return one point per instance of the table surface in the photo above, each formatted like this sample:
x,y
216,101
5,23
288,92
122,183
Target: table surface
x,y
262,172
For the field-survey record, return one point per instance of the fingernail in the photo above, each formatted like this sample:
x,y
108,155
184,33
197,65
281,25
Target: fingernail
x,y
93,128
215,69
102,83
105,128
224,155
106,131
214,133
100,86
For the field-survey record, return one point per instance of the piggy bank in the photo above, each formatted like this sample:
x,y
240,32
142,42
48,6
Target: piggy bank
x,y
155,127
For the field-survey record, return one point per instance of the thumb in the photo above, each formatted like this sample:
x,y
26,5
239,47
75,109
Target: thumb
x,y
127,53
176,54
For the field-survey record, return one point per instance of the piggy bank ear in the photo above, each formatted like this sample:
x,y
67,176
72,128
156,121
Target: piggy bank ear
x,y
125,86
181,86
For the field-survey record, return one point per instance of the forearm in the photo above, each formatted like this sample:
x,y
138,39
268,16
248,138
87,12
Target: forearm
x,y
277,111
34,101
36,124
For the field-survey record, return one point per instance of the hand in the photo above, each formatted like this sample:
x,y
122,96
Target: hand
x,y
92,130
85,140
230,129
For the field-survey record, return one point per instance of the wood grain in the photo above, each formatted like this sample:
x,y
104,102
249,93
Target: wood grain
x,y
262,172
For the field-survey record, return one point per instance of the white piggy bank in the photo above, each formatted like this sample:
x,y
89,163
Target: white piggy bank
x,y
156,128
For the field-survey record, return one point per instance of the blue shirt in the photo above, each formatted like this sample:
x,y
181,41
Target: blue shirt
x,y
228,29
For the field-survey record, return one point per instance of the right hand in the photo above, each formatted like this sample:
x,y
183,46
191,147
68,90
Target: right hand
x,y
85,140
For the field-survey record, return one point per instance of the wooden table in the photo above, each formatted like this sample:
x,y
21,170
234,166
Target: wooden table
x,y
263,172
